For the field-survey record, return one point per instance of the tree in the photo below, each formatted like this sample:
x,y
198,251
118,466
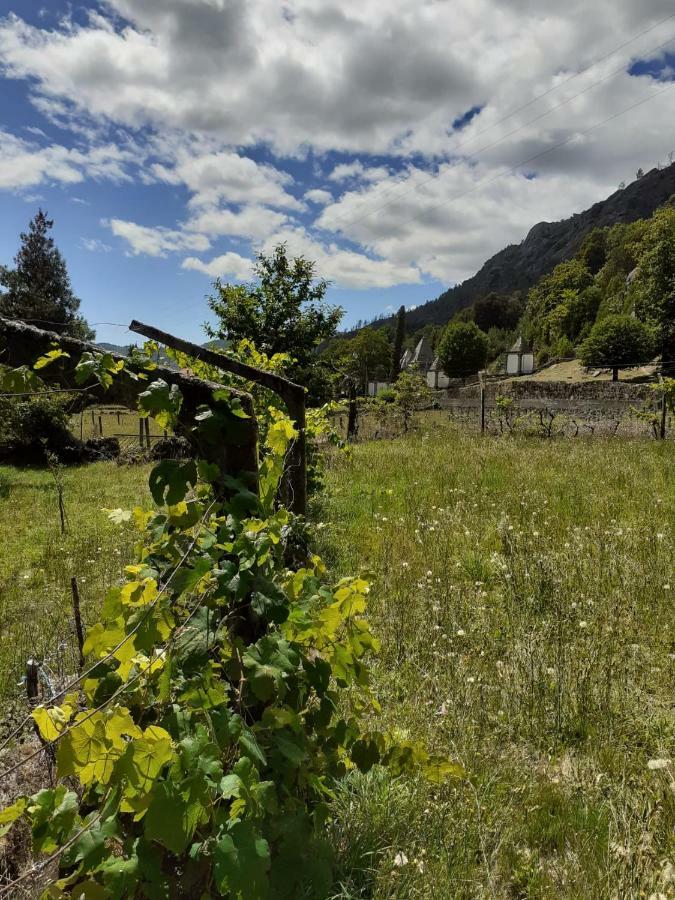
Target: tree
x,y
397,348
282,311
38,289
496,311
653,289
462,349
365,356
411,393
617,342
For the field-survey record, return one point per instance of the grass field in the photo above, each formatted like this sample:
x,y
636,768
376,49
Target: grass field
x,y
524,595
37,561
523,590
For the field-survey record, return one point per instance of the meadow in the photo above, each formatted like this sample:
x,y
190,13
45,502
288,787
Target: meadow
x,y
523,592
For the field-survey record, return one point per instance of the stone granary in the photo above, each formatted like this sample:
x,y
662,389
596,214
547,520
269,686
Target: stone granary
x,y
520,358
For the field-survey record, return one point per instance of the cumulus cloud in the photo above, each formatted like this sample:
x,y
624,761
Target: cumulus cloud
x,y
228,265
319,196
227,176
157,241
24,164
224,97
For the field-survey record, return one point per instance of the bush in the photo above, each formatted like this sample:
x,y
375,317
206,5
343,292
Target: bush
x,y
388,395
29,429
173,447
101,448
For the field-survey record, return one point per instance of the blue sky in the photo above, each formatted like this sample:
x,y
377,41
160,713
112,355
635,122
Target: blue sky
x,y
170,141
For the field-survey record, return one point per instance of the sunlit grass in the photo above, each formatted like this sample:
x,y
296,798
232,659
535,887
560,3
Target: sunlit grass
x,y
37,561
523,591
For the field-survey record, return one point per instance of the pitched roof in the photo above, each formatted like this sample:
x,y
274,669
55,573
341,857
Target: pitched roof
x,y
521,346
423,354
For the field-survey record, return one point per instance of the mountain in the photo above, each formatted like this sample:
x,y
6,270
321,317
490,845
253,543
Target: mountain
x,y
519,266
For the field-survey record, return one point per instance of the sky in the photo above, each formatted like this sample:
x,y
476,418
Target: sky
x,y
398,144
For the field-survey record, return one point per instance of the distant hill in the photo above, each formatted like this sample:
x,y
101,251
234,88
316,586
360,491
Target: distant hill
x,y
519,266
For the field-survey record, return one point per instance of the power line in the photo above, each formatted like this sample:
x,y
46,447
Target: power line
x,y
346,222
539,155
502,139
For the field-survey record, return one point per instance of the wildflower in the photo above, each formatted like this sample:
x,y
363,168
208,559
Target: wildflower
x,y
660,536
583,624
550,670
461,632
666,587
471,679
405,565
400,859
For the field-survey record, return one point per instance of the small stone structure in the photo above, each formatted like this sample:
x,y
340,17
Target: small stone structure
x,y
520,358
436,377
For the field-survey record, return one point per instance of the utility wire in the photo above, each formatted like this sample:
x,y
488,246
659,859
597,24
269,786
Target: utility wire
x,y
539,155
501,140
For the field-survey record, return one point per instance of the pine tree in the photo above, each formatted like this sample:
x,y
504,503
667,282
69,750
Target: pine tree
x,y
397,349
38,289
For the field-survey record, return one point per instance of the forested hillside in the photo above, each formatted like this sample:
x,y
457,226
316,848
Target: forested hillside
x,y
519,266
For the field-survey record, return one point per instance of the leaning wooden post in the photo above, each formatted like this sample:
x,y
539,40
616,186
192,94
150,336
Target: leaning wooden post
x,y
32,675
482,401
78,619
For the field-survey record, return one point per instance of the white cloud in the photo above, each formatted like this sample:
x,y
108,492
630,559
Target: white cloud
x,y
319,196
255,222
24,164
210,81
157,241
225,176
94,245
356,169
230,265
345,268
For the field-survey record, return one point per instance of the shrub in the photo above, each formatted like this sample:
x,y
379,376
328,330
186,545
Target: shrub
x,y
29,429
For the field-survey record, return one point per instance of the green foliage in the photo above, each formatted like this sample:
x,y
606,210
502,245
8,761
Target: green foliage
x,y
30,427
653,289
365,356
38,289
228,694
617,342
283,310
549,302
462,350
496,311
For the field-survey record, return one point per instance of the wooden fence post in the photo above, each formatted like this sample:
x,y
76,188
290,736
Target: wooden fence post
x,y
32,673
100,426
78,619
140,432
482,402
147,433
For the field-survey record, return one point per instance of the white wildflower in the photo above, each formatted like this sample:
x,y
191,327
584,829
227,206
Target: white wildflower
x,y
400,859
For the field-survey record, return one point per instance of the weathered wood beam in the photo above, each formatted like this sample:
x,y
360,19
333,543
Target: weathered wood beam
x,y
21,344
292,394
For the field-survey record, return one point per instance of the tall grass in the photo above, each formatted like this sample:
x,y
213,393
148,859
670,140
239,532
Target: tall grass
x,y
523,591
37,561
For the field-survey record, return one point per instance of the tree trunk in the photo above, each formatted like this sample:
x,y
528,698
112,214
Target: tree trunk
x,y
615,373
